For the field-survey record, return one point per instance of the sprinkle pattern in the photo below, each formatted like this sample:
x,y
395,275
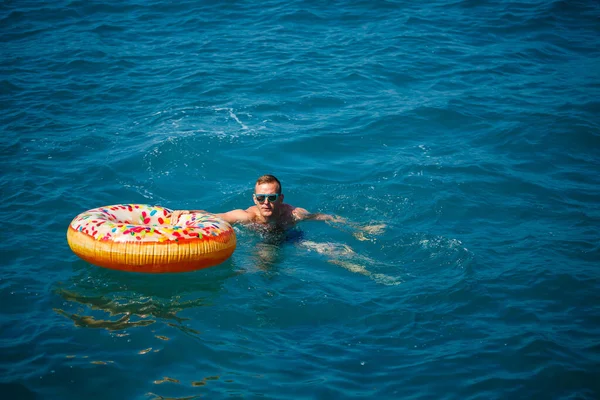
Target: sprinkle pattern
x,y
145,223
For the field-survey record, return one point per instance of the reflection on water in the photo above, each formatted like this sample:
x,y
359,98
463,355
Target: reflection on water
x,y
124,305
96,279
201,382
117,301
166,379
101,362
205,380
87,321
184,329
85,357
158,397
131,311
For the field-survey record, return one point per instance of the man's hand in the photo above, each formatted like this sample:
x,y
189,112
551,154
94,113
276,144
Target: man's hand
x,y
175,215
336,219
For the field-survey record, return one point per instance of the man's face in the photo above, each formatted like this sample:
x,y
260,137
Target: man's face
x,y
267,208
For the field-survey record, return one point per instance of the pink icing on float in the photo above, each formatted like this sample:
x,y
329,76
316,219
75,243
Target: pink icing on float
x,y
142,238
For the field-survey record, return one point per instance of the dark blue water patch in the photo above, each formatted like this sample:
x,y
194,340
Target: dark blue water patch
x,y
466,131
17,390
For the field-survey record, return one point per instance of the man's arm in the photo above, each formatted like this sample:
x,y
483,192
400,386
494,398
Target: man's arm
x,y
236,217
231,217
300,214
360,232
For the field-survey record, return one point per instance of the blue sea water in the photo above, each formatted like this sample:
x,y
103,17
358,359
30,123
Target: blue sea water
x,y
470,129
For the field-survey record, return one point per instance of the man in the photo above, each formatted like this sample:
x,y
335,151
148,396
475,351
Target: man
x,y
271,213
269,210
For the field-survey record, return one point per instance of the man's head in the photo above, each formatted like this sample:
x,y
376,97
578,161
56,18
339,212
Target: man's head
x,y
267,196
268,179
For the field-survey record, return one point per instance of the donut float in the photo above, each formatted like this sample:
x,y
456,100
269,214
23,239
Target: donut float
x,y
142,238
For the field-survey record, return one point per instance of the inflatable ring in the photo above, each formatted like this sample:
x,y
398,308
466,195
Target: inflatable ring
x,y
142,238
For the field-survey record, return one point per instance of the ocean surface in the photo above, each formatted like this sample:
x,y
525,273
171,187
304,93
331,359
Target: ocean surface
x,y
460,138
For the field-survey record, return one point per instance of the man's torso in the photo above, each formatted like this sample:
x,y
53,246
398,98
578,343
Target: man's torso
x,y
285,220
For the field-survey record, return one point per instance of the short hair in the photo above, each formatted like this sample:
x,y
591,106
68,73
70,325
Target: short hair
x,y
269,179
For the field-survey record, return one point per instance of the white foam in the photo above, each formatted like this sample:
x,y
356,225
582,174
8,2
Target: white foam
x,y
233,116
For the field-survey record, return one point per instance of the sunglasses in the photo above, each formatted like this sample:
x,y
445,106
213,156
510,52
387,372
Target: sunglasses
x,y
271,197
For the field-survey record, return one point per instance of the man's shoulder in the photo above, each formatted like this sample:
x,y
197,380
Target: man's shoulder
x,y
251,210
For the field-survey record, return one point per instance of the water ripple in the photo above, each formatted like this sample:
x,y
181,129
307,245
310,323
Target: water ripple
x,y
460,138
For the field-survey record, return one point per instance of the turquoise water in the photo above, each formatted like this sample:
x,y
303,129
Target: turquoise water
x,y
469,129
